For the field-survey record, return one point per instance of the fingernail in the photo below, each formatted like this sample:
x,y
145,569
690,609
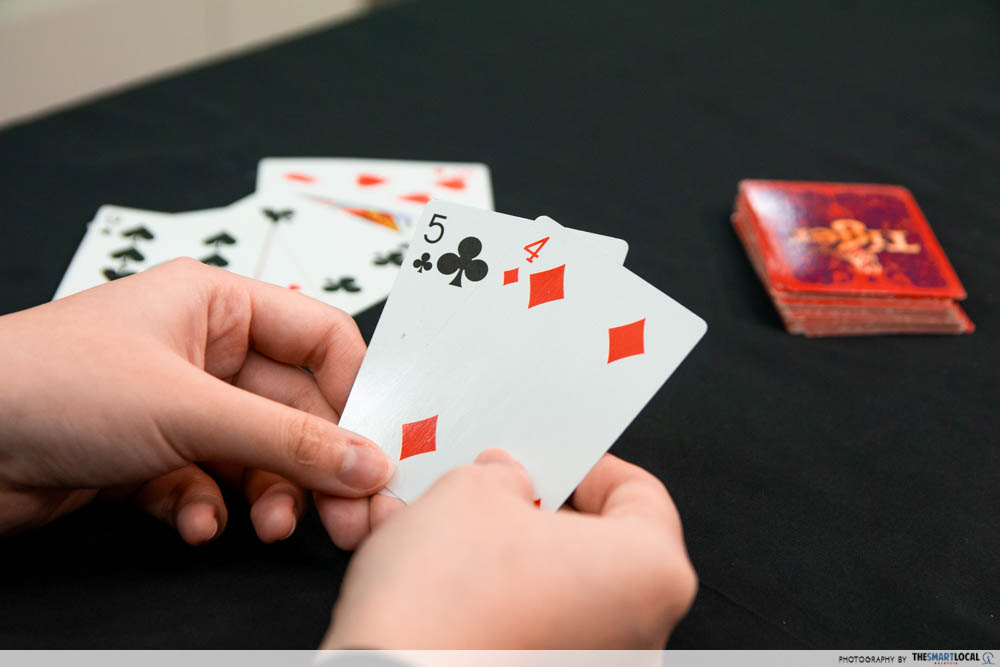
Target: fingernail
x,y
290,530
215,530
364,467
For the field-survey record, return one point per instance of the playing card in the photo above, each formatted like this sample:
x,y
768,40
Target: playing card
x,y
842,238
443,256
587,364
390,193
326,253
546,357
614,249
391,217
122,241
848,258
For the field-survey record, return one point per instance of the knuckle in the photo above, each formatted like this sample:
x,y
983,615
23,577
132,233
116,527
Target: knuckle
x,y
669,586
471,481
185,271
476,482
307,440
342,338
461,476
685,587
342,321
303,398
675,585
185,265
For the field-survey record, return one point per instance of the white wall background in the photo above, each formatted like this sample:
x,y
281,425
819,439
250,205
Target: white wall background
x,y
56,52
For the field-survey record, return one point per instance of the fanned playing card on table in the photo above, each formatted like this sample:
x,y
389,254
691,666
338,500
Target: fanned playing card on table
x,y
523,335
325,253
390,193
123,241
335,229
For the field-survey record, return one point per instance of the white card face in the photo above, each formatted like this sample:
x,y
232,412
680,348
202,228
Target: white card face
x,y
614,249
525,363
329,255
393,190
590,361
122,241
412,316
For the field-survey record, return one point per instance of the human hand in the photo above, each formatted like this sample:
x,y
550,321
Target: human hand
x,y
120,389
474,564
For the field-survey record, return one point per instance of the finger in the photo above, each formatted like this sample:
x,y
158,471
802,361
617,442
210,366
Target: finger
x,y
285,384
494,455
615,487
346,519
505,469
214,421
276,505
238,313
187,499
294,329
382,507
24,509
349,520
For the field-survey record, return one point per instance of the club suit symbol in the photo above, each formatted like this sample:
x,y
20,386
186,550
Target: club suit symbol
x,y
216,241
115,274
423,263
137,233
220,239
129,254
345,283
393,257
464,262
276,216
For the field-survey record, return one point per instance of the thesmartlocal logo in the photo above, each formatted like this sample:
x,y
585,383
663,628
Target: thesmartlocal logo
x,y
954,657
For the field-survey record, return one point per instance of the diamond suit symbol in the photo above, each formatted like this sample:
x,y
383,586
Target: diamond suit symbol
x,y
419,437
418,197
456,183
546,286
366,180
626,340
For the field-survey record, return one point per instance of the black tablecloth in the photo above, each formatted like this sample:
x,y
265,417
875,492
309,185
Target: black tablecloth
x,y
835,493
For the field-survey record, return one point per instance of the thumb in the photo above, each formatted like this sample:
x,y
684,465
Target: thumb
x,y
215,421
507,471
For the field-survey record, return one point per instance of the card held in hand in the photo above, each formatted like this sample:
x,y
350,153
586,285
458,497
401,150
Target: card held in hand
x,y
504,332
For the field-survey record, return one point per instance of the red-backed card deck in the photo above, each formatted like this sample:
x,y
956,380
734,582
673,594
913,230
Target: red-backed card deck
x,y
841,259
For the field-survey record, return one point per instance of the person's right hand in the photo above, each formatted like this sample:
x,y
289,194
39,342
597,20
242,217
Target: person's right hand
x,y
474,564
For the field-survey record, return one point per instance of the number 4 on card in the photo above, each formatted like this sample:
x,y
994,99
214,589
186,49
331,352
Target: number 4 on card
x,y
534,248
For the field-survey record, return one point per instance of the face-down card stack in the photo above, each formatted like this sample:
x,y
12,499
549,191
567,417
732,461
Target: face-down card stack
x,y
842,259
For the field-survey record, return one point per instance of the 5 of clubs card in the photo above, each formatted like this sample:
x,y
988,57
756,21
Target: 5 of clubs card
x,y
510,333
